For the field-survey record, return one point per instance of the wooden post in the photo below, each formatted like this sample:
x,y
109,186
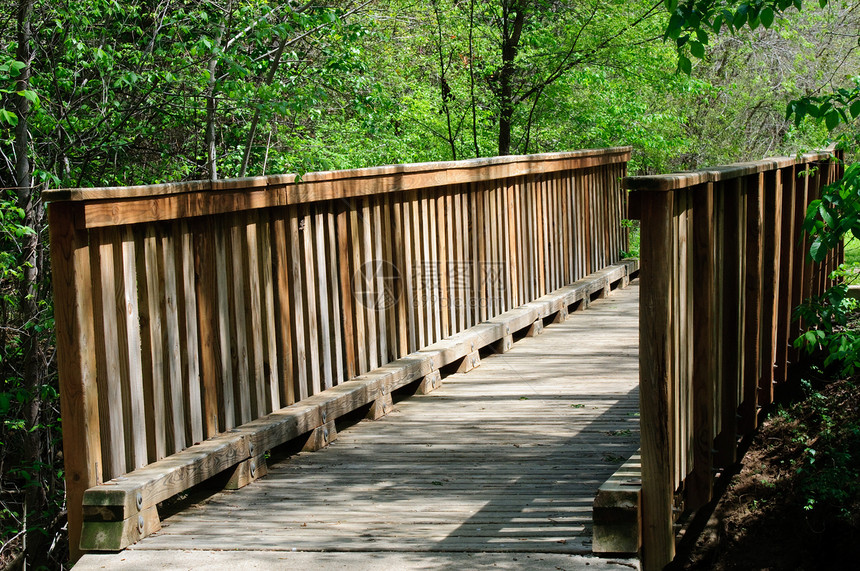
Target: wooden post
x,y
73,315
655,372
700,481
786,272
752,301
732,279
771,223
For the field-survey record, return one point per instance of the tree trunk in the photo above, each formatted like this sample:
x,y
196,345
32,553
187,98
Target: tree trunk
x,y
511,33
211,104
28,292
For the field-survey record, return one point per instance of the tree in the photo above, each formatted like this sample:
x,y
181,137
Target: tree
x,y
828,219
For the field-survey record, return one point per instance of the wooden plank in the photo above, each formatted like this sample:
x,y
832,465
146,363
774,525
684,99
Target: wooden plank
x,y
189,339
243,374
786,272
378,263
655,367
770,286
112,207
370,285
128,326
540,235
484,498
450,261
402,280
442,230
700,481
431,239
419,271
475,259
300,370
146,487
359,289
284,327
310,301
323,294
753,302
76,360
512,232
107,340
271,366
219,313
152,359
254,309
334,293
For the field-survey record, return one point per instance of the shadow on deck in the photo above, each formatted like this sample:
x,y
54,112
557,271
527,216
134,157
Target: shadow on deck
x,y
498,468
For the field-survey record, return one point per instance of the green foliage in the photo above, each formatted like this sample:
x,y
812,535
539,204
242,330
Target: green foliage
x,y
835,215
828,437
832,326
691,21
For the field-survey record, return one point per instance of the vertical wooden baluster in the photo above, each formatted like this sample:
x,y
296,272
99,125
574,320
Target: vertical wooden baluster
x,y
786,272
346,292
770,284
189,337
402,287
753,301
219,313
254,319
271,369
283,304
151,349
110,404
128,326
297,266
323,296
311,303
242,373
700,482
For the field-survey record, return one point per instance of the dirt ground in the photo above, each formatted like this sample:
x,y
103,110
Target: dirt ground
x,y
795,504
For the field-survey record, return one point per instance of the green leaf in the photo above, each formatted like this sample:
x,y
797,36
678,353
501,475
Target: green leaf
x,y
7,117
685,65
816,251
826,216
766,17
702,35
15,68
697,49
740,17
30,96
831,119
855,108
718,24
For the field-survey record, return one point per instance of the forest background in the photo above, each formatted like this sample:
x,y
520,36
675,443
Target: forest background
x,y
103,93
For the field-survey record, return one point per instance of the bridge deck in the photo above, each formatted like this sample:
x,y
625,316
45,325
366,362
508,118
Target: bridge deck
x,y
498,467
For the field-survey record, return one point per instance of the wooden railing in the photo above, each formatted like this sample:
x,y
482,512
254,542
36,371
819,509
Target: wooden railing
x,y
186,313
723,264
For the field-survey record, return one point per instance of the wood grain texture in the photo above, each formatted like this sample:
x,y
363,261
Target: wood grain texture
x,y
215,304
450,471
656,364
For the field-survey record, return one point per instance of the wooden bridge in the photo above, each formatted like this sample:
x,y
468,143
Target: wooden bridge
x,y
211,332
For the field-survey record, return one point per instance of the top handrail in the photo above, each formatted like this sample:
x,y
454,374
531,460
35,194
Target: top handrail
x,y
398,177
678,181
